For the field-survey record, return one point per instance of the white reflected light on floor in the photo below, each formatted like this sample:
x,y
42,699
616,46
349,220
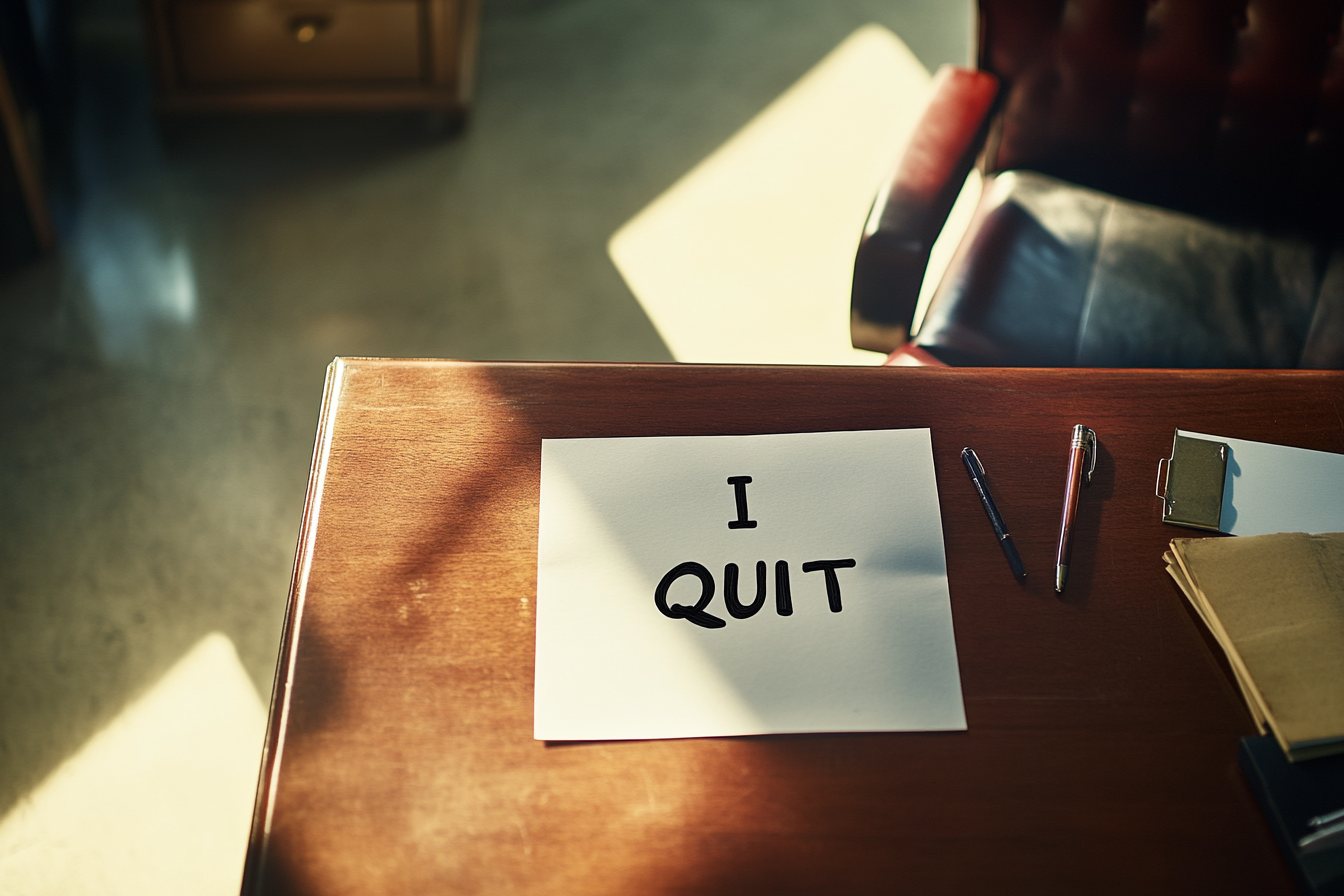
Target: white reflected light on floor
x,y
159,802
136,278
748,258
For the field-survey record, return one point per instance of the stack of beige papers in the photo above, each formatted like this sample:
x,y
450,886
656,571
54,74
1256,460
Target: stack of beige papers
x,y
1276,605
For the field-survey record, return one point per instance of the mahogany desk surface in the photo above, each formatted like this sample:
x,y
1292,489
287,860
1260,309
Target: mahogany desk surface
x,y
1101,750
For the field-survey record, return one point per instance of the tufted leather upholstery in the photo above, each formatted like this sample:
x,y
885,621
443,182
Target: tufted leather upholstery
x,y
1224,108
1164,187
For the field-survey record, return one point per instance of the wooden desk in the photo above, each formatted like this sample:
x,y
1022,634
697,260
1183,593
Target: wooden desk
x,y
1101,753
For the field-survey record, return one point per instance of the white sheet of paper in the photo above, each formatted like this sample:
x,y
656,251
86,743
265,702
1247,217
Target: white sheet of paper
x,y
1277,488
619,515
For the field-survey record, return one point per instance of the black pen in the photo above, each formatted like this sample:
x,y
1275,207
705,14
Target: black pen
x,y
977,471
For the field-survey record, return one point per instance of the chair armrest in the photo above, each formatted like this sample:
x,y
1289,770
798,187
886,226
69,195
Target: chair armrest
x,y
910,209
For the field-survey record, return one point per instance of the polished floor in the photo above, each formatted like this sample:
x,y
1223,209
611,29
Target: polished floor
x,y
161,374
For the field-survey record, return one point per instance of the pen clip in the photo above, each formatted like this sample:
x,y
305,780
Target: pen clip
x,y
1086,439
970,457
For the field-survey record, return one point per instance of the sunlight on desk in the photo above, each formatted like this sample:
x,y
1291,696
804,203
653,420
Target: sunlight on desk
x,y
748,258
159,802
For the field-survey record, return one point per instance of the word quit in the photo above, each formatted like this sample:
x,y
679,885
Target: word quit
x,y
698,612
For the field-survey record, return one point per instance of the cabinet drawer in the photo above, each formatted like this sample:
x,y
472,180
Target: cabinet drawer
x,y
232,42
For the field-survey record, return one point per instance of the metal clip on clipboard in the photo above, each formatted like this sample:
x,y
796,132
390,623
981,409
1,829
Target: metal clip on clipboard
x,y
1192,491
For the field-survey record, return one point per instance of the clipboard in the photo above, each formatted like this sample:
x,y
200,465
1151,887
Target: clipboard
x,y
1240,487
1196,474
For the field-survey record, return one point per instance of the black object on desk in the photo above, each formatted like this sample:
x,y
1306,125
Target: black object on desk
x,y
977,471
1292,793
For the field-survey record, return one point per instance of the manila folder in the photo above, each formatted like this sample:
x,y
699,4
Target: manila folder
x,y
1279,602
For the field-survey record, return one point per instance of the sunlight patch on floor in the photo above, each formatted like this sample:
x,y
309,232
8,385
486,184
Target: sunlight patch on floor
x,y
748,258
159,802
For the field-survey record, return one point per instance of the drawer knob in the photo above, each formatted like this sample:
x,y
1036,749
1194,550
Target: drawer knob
x,y
306,28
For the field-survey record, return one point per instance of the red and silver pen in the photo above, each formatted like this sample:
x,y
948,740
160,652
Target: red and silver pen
x,y
1082,463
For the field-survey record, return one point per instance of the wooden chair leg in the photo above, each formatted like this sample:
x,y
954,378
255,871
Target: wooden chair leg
x,y
25,165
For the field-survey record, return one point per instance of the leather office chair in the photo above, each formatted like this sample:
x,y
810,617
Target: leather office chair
x,y
1163,187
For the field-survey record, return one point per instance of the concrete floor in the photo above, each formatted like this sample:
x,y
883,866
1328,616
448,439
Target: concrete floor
x,y
161,375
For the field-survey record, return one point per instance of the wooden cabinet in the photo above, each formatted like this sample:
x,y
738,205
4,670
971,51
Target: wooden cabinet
x,y
312,54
